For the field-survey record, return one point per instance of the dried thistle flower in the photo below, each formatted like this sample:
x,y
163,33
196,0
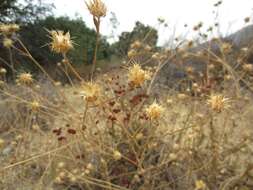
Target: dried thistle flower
x,y
3,71
154,111
182,96
156,56
200,185
218,103
169,101
61,165
227,77
61,43
25,78
117,155
226,47
247,67
91,91
137,76
7,42
189,70
90,166
131,53
147,48
97,8
8,29
35,105
139,136
137,44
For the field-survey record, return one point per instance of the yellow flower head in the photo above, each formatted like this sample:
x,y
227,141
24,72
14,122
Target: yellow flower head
x,y
131,53
248,67
154,111
7,42
91,91
61,43
97,8
218,102
3,71
8,29
117,155
137,76
35,105
25,78
200,185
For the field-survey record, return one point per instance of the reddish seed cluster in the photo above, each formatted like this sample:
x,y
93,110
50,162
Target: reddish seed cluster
x,y
135,100
59,133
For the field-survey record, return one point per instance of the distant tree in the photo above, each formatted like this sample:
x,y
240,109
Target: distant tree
x,y
114,24
140,32
35,35
23,11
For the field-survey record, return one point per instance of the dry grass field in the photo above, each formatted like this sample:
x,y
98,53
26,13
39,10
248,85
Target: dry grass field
x,y
125,128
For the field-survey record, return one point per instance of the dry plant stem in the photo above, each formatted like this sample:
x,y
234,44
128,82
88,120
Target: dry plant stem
x,y
60,112
65,71
101,183
36,157
93,68
229,69
159,67
6,63
27,53
12,64
71,67
214,145
235,179
84,115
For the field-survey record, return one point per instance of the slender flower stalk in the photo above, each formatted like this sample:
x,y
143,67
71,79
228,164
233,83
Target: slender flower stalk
x,y
97,9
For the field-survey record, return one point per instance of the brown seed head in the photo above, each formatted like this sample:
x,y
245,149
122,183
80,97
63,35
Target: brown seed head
x,y
218,103
61,43
25,78
97,8
154,111
137,76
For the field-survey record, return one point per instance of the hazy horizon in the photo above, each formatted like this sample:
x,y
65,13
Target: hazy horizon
x,y
176,13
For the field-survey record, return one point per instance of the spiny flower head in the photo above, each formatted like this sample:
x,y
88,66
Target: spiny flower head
x,y
97,8
91,91
137,76
218,102
25,78
7,42
154,111
8,29
61,43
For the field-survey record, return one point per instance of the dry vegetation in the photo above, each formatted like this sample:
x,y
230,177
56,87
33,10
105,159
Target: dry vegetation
x,y
124,130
